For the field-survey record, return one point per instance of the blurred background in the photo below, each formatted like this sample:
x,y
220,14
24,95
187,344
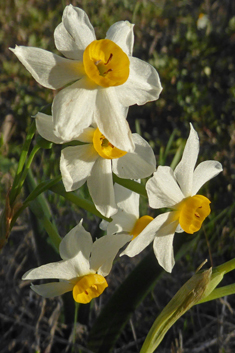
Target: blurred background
x,y
192,45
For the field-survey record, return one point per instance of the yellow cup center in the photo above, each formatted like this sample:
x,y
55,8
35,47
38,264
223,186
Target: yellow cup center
x,y
89,287
140,224
192,212
105,63
104,148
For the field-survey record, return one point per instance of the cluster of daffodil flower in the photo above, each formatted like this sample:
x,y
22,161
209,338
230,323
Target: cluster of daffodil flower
x,y
101,80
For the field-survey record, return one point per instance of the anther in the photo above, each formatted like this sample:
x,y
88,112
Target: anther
x,y
109,59
105,73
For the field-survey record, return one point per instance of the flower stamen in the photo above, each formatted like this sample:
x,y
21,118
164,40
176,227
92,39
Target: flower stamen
x,y
109,59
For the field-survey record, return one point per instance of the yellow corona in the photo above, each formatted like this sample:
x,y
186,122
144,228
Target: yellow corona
x,y
105,63
192,212
89,287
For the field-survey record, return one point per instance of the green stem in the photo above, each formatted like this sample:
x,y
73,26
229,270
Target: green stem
x,y
131,185
75,325
226,267
78,201
21,163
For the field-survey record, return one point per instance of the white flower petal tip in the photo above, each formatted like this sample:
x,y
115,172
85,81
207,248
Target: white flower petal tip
x,y
44,125
50,290
143,84
123,35
78,26
48,69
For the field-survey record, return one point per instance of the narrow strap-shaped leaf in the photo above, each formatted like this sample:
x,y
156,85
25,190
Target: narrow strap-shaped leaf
x,y
131,185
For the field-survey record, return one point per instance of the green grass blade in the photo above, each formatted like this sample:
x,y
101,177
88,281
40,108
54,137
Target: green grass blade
x,y
21,163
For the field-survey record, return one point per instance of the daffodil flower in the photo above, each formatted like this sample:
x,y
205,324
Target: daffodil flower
x,y
127,219
176,190
83,268
95,160
102,78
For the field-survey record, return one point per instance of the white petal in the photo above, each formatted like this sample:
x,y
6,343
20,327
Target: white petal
x,y
66,44
86,135
184,170
72,110
139,243
123,35
179,229
78,25
143,84
204,172
76,164
59,270
77,240
48,69
127,200
122,222
100,185
45,127
128,210
104,251
50,290
111,119
162,189
163,246
104,225
139,164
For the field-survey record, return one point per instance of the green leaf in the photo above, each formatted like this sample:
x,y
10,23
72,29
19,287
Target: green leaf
x,y
131,185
